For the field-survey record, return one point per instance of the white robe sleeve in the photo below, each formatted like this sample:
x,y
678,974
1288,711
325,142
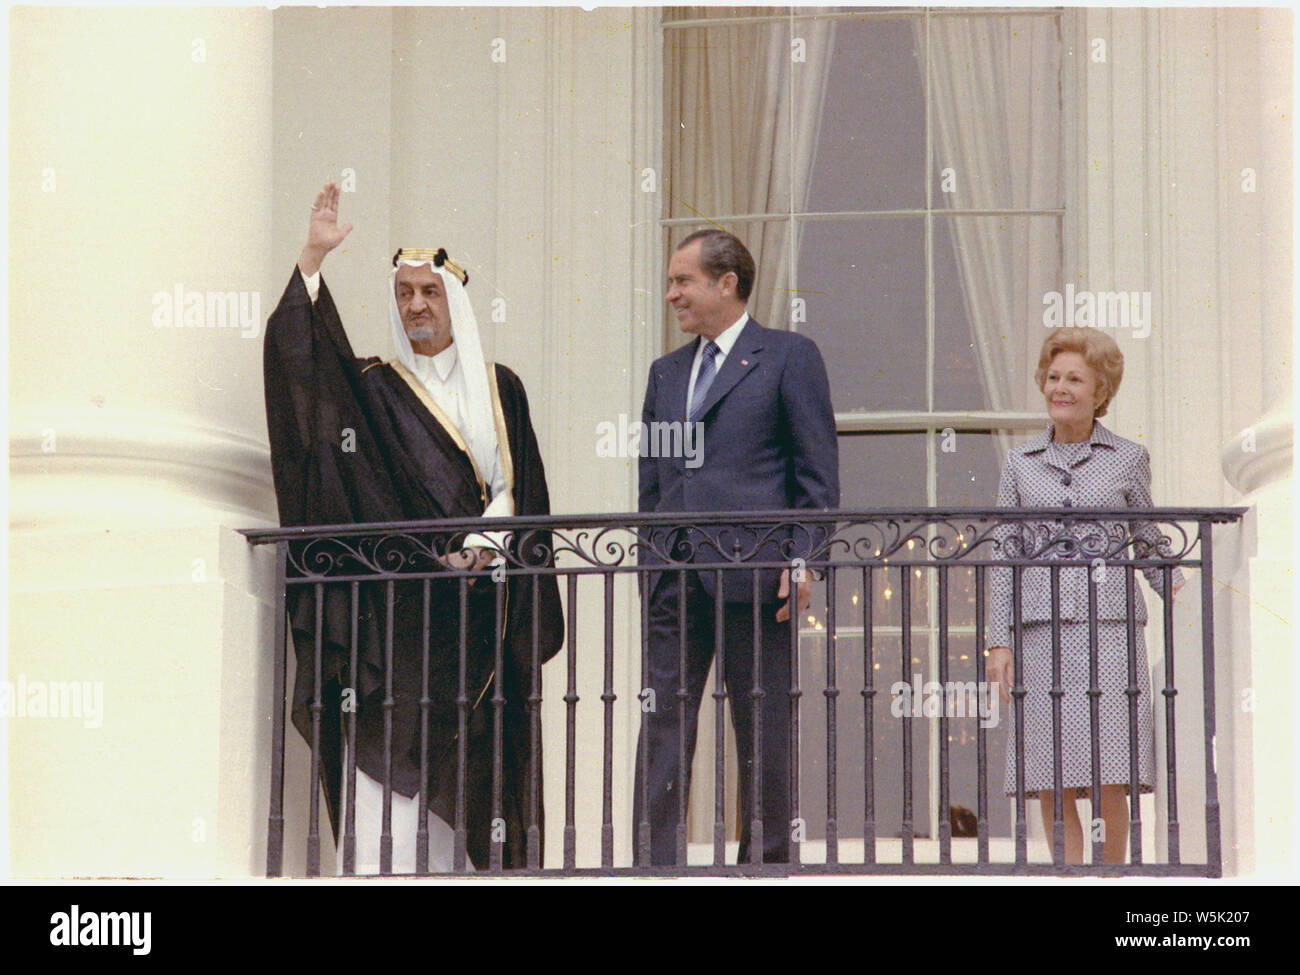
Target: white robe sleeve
x,y
502,505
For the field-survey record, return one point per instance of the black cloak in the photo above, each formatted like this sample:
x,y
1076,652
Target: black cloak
x,y
352,443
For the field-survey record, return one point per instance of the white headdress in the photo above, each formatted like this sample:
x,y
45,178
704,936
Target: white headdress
x,y
481,435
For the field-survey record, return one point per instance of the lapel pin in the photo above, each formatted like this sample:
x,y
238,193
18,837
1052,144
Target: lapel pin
x,y
744,362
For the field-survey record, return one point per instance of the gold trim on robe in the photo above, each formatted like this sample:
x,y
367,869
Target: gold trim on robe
x,y
498,419
432,406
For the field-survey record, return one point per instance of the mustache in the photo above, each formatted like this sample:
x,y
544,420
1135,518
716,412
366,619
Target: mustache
x,y
422,333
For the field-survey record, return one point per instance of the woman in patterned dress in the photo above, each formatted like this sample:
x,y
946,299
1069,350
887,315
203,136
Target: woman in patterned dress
x,y
1076,463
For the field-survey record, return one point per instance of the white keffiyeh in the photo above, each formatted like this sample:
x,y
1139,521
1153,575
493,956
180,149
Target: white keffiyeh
x,y
475,413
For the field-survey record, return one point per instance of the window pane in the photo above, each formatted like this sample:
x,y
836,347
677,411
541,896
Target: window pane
x,y
980,708
957,379
881,470
870,150
967,466
886,583
887,753
988,315
863,284
889,667
963,758
715,13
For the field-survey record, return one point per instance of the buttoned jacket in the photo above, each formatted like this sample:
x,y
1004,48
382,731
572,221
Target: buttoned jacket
x,y
1110,472
768,432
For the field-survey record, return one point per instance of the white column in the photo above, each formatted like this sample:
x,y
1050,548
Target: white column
x,y
1256,656
140,234
139,170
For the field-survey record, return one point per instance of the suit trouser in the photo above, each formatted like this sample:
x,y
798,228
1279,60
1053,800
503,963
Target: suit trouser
x,y
657,751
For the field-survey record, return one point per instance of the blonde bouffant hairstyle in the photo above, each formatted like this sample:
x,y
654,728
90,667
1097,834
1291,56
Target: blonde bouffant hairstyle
x,y
1099,351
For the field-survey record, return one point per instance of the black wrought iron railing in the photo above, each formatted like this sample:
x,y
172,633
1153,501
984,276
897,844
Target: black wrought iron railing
x,y
404,657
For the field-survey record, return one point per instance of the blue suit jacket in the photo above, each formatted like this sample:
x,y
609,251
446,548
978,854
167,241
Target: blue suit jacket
x,y
768,444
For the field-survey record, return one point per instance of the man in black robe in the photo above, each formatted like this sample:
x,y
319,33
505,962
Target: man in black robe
x,y
435,433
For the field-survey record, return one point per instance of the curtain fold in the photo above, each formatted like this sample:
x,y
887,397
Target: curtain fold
x,y
743,121
995,90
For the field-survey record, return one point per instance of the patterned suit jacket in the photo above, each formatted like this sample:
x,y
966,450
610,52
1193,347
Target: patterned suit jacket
x,y
1111,472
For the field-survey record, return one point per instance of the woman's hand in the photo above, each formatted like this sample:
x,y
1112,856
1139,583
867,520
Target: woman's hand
x,y
1000,670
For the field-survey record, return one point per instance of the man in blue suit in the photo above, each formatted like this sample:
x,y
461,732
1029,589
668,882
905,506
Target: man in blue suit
x,y
760,399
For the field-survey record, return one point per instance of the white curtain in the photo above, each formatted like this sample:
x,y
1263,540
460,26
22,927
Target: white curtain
x,y
995,83
744,113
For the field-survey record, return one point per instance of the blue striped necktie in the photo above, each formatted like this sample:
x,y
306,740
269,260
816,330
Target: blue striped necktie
x,y
708,371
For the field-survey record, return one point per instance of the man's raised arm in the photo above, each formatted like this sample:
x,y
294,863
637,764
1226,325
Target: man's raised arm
x,y
323,232
306,362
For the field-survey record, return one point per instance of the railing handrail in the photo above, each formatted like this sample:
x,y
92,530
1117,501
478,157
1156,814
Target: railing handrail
x,y
807,516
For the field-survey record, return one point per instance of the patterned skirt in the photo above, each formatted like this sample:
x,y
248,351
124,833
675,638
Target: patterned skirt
x,y
1076,739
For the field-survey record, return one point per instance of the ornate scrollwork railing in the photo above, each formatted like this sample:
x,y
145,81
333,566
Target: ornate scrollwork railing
x,y
349,601
752,540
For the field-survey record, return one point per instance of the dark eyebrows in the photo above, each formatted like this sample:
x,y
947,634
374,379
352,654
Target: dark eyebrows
x,y
435,286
